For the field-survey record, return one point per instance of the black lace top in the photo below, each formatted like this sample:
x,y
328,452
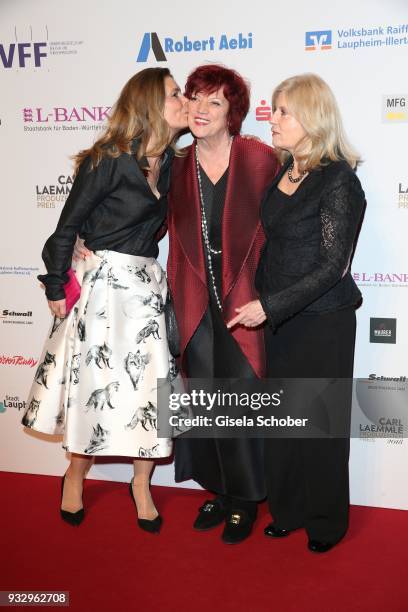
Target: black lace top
x,y
304,265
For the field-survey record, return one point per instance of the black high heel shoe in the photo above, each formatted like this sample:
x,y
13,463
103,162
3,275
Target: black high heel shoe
x,y
73,518
152,526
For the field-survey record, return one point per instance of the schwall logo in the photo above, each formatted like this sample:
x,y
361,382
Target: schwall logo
x,y
263,112
16,317
62,118
395,108
355,38
381,279
12,401
319,40
18,360
18,271
31,48
403,195
185,44
50,195
383,330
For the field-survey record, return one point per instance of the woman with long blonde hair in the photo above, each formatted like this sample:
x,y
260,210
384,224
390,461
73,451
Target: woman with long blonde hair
x,y
97,379
311,213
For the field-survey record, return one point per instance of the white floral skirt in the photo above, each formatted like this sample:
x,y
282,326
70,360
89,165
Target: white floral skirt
x,y
98,376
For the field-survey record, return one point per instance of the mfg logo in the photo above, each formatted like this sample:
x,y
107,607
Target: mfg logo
x,y
320,40
23,54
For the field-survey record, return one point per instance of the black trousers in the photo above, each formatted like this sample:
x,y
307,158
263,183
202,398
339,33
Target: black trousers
x,y
231,467
307,479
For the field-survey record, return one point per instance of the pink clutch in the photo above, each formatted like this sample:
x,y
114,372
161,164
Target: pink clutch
x,y
72,291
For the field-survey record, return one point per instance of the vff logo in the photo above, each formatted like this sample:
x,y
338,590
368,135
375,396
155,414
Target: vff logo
x,y
320,39
23,53
151,41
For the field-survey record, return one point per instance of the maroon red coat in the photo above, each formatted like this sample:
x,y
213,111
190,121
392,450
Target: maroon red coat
x,y
252,167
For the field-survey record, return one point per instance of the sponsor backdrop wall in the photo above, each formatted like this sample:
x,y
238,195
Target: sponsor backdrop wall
x,y
62,64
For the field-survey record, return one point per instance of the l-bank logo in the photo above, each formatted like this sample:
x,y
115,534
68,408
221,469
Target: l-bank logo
x,y
320,40
152,42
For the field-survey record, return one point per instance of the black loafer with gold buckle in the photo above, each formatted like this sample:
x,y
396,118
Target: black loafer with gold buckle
x,y
238,527
211,514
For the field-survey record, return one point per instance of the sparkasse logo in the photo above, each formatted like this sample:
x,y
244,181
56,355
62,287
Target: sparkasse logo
x,y
186,44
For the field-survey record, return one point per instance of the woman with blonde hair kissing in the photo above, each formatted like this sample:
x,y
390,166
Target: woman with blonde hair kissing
x,y
98,375
311,213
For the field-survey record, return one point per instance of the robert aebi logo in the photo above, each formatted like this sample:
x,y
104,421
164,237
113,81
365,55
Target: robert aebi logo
x,y
152,42
318,40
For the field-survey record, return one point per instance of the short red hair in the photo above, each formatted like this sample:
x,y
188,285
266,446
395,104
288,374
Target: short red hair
x,y
212,77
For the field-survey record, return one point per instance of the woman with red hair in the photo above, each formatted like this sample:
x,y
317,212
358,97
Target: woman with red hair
x,y
215,241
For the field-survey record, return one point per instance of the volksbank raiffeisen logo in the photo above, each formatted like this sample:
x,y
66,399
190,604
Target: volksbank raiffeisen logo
x,y
319,40
395,108
355,38
161,46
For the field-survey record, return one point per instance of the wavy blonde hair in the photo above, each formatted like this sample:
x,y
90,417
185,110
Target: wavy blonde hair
x,y
311,101
138,113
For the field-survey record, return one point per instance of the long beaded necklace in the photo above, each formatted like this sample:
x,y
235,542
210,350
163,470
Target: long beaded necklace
x,y
210,251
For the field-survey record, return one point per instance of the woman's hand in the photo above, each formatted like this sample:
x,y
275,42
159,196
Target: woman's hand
x,y
250,315
80,251
58,308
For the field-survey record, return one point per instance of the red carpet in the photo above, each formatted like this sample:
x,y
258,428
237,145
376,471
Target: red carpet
x,y
109,564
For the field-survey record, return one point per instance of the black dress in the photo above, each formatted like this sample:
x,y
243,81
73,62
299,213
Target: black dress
x,y
232,467
309,296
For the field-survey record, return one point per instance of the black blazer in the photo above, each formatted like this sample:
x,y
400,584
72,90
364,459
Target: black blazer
x,y
304,265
